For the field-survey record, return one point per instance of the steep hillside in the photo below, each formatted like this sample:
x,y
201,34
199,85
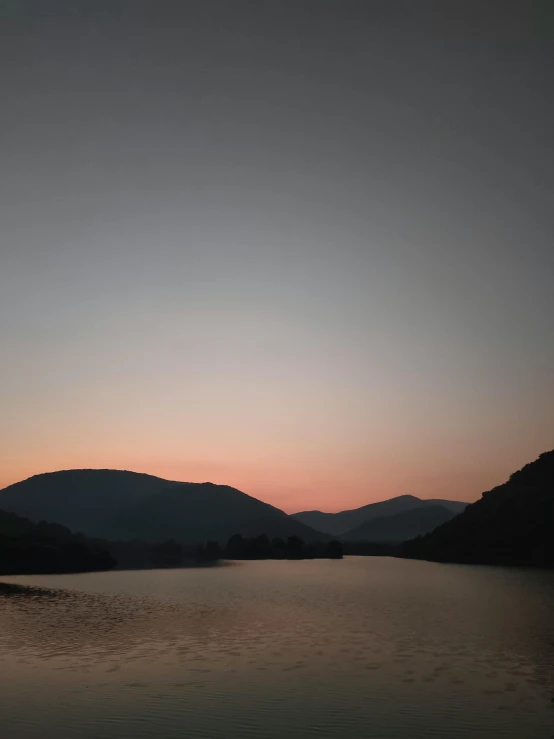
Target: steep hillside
x,y
401,526
511,524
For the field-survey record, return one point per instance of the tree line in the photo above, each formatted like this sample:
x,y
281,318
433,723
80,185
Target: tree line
x,y
171,553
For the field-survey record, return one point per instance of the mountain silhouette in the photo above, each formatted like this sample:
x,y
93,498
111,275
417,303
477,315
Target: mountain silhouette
x,y
200,511
338,524
123,505
511,524
401,526
82,500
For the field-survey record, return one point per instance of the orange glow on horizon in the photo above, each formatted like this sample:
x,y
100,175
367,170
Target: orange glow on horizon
x,y
289,487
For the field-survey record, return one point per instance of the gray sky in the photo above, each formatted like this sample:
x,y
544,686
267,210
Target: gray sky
x,y
304,248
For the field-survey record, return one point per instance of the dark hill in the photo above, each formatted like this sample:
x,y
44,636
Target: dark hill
x,y
82,500
401,526
511,524
338,524
114,504
39,548
195,512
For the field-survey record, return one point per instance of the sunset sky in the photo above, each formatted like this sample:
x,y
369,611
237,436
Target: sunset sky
x,y
305,250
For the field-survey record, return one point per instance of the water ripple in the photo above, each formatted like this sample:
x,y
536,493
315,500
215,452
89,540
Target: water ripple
x,y
364,647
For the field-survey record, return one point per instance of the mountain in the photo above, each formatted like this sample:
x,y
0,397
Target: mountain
x,y
337,524
454,506
201,511
82,500
511,524
39,548
401,526
114,504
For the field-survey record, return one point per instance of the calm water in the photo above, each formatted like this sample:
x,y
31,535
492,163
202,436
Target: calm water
x,y
366,647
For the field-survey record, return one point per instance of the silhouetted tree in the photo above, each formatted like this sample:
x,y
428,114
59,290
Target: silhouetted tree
x,y
259,547
212,551
236,547
167,554
333,550
279,548
295,547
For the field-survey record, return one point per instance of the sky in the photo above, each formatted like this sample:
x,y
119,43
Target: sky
x,y
304,248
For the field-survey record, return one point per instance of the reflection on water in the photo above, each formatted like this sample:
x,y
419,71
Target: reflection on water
x,y
364,647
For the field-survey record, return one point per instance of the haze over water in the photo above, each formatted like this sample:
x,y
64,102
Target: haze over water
x,y
364,647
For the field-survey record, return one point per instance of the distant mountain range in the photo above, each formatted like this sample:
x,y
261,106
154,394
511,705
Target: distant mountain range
x,y
396,519
401,526
511,524
120,505
125,506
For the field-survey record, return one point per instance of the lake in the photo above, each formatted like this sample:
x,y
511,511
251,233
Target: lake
x,y
364,647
